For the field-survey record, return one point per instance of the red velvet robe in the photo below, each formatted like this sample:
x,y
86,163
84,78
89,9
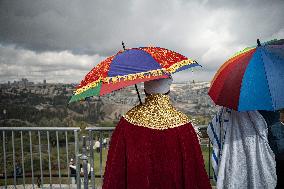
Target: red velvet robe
x,y
144,158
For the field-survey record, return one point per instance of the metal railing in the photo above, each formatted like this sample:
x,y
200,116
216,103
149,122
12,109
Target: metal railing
x,y
100,131
37,147
28,135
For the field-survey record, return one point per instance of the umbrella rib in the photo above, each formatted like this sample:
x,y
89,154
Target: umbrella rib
x,y
267,78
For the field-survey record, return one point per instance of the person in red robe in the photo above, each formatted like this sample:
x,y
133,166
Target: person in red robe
x,y
154,146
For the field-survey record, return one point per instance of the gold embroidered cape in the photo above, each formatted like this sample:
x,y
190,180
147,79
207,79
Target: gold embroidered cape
x,y
156,113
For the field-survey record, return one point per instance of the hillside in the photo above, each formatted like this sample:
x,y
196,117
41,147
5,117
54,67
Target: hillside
x,y
38,104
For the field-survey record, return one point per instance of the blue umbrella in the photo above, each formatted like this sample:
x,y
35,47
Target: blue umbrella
x,y
253,79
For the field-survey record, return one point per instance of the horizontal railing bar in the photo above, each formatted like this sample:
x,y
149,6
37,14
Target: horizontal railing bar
x,y
112,128
100,128
56,175
53,175
64,128
39,128
46,175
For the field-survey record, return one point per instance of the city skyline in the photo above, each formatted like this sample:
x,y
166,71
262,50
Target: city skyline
x,y
44,81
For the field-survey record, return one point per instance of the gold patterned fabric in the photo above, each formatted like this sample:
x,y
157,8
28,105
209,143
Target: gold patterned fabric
x,y
156,113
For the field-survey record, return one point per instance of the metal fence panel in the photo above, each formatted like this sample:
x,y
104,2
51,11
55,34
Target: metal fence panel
x,y
53,171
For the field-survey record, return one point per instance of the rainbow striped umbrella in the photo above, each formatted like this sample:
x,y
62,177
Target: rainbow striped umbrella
x,y
253,79
130,67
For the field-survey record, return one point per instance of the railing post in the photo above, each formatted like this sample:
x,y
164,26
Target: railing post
x,y
101,155
14,167
84,157
91,145
209,158
4,154
23,161
32,164
49,161
40,160
67,159
78,180
58,159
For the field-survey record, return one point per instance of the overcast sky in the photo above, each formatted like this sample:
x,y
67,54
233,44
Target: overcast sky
x,y
61,40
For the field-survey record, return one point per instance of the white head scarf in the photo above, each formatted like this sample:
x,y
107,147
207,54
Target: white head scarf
x,y
158,86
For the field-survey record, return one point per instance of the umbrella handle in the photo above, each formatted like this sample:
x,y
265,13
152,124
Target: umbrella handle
x,y
135,84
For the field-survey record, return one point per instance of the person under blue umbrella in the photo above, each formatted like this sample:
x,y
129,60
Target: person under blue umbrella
x,y
275,123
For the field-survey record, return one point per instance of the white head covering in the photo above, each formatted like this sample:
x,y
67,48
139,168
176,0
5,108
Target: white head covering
x,y
158,86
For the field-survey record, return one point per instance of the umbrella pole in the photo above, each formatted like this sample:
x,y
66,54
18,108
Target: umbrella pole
x,y
135,84
138,93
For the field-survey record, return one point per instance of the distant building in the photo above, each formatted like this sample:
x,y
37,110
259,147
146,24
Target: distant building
x,y
24,82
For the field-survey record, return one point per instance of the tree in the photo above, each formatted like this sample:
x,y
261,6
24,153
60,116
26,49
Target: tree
x,y
55,122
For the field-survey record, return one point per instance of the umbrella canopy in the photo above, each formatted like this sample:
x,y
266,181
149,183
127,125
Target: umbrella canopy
x,y
130,67
253,79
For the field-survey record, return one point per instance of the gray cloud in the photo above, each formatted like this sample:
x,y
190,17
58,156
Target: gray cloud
x,y
208,31
54,66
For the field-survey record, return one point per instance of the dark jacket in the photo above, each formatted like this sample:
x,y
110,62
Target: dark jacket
x,y
275,132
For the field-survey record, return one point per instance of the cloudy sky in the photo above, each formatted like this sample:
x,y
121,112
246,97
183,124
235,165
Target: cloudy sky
x,y
61,40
